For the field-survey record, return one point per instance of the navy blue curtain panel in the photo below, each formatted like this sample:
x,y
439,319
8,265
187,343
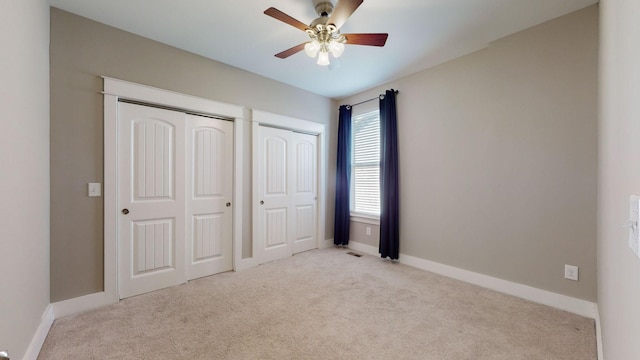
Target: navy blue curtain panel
x,y
389,187
343,178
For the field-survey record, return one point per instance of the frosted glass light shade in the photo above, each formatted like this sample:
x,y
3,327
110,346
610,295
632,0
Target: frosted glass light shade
x,y
312,48
323,58
336,48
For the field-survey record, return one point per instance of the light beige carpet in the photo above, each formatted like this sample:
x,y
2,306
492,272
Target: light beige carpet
x,y
323,304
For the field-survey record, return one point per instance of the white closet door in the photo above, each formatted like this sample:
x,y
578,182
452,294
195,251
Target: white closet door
x,y
275,219
151,188
287,218
209,194
305,192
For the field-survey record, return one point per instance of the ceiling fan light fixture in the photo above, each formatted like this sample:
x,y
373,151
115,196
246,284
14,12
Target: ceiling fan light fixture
x,y
311,48
323,58
336,48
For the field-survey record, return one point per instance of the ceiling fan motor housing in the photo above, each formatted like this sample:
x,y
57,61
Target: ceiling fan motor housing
x,y
323,8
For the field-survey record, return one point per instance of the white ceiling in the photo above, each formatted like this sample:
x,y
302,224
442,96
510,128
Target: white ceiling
x,y
422,33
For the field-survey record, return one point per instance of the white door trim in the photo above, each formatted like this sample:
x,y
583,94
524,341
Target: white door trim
x,y
115,89
303,126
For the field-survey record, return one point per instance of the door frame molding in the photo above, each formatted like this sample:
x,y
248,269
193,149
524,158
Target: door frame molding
x,y
263,118
115,89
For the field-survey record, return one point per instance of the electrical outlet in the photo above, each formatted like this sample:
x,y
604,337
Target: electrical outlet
x,y
571,272
368,230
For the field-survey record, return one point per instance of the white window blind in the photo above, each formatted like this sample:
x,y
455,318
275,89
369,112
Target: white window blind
x,y
365,164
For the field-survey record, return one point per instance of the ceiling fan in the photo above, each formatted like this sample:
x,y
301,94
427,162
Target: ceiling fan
x,y
324,31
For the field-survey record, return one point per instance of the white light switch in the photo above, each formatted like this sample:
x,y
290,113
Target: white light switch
x,y
94,189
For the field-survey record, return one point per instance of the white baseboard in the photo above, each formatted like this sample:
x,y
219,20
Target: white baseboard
x,y
41,334
82,303
599,335
558,301
249,263
367,249
325,244
244,264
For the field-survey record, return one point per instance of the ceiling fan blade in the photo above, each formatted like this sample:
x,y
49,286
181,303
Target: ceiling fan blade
x,y
366,39
296,49
342,11
279,15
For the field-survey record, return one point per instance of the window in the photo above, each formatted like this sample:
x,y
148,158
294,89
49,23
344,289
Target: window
x,y
365,164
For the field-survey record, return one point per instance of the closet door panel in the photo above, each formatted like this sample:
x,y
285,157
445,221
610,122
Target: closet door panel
x,y
305,193
151,221
275,178
209,194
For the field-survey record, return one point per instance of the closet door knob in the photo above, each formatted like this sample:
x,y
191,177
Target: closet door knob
x,y
228,204
125,211
261,202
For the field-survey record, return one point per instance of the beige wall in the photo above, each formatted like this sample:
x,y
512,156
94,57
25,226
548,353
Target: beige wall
x,y
24,172
619,177
498,157
81,51
358,233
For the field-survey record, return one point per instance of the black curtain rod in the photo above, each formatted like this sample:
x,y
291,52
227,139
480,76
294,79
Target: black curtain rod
x,y
366,101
